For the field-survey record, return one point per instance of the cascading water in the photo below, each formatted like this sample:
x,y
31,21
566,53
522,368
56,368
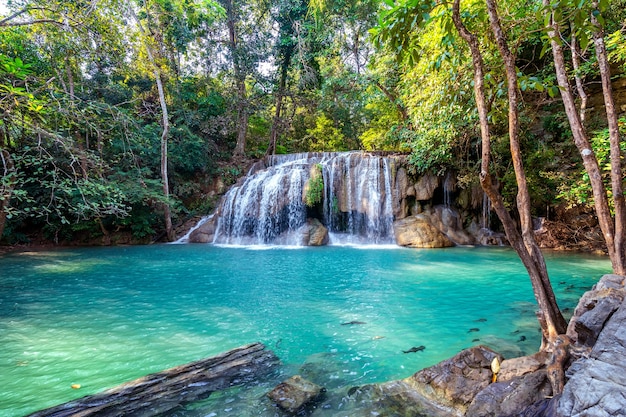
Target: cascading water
x,y
268,206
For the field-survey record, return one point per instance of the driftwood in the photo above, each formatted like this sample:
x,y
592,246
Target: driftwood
x,y
160,392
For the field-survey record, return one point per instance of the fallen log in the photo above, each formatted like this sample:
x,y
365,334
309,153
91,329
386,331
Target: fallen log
x,y
163,391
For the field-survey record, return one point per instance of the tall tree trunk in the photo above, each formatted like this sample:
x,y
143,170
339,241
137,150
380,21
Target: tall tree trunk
x,y
576,54
282,85
240,79
535,264
590,162
617,178
551,320
167,211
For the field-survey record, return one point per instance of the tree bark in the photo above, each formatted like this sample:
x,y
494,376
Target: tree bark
x,y
282,85
535,262
581,141
576,54
167,211
240,79
523,243
617,178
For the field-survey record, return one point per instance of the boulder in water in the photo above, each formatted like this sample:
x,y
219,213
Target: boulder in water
x,y
294,393
314,233
418,232
204,233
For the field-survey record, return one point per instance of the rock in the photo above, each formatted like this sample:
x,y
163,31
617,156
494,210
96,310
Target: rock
x,y
418,232
294,393
314,233
398,399
455,382
598,389
402,184
516,367
448,221
512,397
204,233
594,308
426,186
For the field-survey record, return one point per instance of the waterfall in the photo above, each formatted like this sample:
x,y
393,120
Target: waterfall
x,y
268,207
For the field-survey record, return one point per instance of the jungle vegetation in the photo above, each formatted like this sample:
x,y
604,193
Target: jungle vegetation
x,y
123,116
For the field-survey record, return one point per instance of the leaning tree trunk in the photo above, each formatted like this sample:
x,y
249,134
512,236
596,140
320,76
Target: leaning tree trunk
x,y
551,320
590,162
535,264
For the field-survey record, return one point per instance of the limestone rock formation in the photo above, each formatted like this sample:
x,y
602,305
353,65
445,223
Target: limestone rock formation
x,y
295,393
456,381
512,397
445,389
598,387
595,308
314,233
418,232
425,187
203,233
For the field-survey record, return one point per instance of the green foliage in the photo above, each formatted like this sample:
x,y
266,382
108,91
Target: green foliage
x,y
578,192
314,189
325,136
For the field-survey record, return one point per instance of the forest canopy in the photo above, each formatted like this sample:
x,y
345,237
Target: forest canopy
x,y
117,116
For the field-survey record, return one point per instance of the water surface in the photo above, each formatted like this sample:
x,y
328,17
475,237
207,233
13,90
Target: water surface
x,y
102,316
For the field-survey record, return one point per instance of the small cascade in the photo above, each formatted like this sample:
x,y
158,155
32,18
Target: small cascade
x,y
486,235
268,206
448,189
486,217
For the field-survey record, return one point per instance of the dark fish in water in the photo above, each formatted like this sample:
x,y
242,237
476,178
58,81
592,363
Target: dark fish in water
x,y
352,391
475,340
481,320
349,323
415,349
473,329
515,332
522,338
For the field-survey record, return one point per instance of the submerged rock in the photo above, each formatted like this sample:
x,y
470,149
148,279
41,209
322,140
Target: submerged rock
x,y
294,393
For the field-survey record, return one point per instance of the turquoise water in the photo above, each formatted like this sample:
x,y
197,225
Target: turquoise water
x,y
98,317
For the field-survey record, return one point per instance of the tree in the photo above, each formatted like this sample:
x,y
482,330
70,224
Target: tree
x,y
167,212
290,17
396,31
613,227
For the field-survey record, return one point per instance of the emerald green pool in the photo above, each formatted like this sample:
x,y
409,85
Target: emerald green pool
x,y
99,317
